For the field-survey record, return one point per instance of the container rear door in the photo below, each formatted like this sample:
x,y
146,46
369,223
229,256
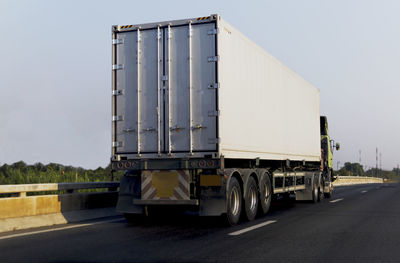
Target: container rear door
x,y
139,62
165,90
191,90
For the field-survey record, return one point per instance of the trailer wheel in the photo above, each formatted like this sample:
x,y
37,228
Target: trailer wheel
x,y
315,194
265,194
234,202
320,194
329,179
251,199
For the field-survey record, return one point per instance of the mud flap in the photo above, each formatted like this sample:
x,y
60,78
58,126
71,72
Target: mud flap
x,y
213,201
309,180
129,190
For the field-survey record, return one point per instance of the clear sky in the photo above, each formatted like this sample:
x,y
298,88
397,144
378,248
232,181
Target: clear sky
x,y
55,69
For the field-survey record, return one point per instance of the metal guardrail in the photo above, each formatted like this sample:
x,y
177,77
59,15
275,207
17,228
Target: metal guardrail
x,y
357,177
348,180
20,190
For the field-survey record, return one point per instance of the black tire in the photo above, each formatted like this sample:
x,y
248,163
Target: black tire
x,y
329,194
320,194
315,193
329,178
265,194
251,199
234,202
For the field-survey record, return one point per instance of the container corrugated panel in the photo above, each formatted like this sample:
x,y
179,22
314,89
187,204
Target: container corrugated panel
x,y
267,110
165,105
195,87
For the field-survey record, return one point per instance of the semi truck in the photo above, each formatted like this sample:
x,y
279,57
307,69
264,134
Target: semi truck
x,y
205,119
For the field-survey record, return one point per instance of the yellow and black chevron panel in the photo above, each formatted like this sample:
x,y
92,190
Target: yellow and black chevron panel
x,y
203,18
125,27
165,185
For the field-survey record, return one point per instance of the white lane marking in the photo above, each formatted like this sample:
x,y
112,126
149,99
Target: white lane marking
x,y
363,192
336,200
60,228
251,228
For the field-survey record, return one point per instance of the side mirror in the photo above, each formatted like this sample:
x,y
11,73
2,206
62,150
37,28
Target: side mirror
x,y
337,146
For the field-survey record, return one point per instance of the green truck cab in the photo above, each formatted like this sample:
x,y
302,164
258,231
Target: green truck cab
x,y
327,148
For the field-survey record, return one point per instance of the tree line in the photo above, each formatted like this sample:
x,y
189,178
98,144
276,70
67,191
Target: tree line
x,y
356,169
22,173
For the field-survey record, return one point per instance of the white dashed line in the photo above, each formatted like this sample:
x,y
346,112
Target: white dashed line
x,y
363,192
60,228
251,228
336,200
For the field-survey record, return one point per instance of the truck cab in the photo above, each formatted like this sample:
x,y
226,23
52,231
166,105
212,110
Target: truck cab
x,y
327,148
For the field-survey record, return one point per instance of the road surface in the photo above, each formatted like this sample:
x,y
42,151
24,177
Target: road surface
x,y
358,224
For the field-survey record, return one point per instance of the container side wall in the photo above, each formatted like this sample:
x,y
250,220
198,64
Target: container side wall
x,y
267,110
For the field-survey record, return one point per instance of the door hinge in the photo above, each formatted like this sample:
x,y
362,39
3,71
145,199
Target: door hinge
x,y
117,66
117,144
151,129
213,59
176,128
117,92
198,127
129,130
117,41
212,31
213,140
118,118
213,86
213,113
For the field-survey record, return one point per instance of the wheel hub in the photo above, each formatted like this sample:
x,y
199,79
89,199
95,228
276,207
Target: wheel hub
x,y
235,201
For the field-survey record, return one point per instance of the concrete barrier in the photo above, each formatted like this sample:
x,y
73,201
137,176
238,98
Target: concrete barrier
x,y
350,180
21,211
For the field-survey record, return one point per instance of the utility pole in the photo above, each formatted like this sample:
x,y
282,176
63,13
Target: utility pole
x,y
359,159
376,168
337,165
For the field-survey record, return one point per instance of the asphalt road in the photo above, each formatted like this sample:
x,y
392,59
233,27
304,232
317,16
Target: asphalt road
x,y
358,224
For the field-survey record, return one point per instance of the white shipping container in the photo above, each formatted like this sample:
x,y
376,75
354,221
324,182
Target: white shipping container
x,y
198,87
